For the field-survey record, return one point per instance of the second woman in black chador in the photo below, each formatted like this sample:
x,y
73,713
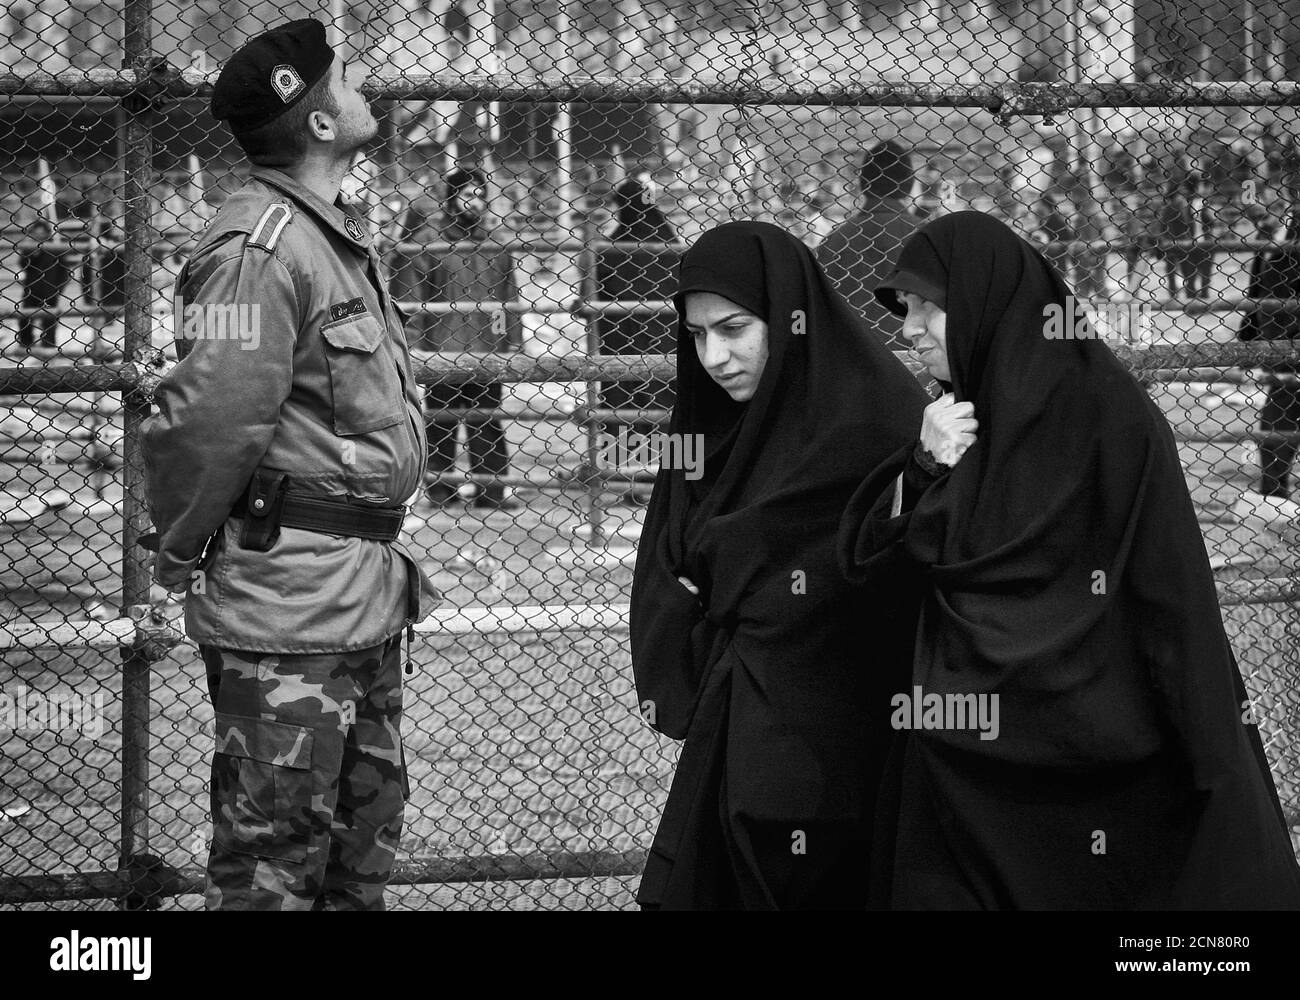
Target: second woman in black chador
x,y
1068,598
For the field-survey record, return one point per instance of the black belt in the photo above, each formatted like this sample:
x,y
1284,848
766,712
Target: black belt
x,y
335,517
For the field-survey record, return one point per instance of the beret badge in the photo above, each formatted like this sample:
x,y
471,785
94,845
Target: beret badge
x,y
286,82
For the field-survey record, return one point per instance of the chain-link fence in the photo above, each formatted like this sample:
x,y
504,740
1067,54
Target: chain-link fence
x,y
1148,147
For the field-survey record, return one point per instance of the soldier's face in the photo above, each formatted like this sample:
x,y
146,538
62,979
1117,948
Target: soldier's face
x,y
356,123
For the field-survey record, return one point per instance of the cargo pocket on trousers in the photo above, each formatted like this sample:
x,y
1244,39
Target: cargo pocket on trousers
x,y
262,787
364,381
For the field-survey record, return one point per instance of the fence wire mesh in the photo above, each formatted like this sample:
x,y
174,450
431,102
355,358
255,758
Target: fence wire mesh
x,y
1094,129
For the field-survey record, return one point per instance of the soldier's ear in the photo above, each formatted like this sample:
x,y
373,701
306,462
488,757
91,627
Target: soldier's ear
x,y
320,126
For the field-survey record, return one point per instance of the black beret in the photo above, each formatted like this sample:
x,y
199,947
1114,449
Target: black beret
x,y
270,74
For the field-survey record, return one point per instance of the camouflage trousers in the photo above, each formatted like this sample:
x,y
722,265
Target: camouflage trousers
x,y
308,780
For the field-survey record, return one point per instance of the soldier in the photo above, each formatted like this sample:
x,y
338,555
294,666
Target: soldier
x,y
289,433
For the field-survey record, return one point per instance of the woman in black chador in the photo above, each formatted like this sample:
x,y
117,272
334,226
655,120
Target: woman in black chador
x,y
747,641
1068,601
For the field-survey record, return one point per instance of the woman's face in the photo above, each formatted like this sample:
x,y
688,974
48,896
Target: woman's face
x,y
926,326
730,342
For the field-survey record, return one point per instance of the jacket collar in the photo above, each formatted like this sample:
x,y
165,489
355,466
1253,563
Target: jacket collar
x,y
355,232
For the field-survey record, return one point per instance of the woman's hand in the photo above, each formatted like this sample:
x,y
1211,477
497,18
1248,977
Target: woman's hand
x,y
948,429
689,586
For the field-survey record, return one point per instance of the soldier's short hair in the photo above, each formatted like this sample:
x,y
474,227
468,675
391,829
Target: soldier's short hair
x,y
282,142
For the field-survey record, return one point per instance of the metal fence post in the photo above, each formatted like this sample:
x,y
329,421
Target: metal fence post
x,y
595,482
137,170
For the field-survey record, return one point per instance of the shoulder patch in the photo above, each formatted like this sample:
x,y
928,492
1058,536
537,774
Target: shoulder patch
x,y
269,227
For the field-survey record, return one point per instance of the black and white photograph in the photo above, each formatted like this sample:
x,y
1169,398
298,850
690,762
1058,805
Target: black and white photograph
x,y
649,455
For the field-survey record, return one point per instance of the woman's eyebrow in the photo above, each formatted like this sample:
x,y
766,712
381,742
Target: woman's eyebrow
x,y
695,326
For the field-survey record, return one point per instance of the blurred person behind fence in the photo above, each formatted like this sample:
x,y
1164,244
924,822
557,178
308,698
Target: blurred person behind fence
x,y
415,223
746,640
857,252
1055,208
1187,215
104,266
419,42
1121,177
288,435
615,41
46,262
1084,222
436,36
482,273
1275,274
1149,278
627,272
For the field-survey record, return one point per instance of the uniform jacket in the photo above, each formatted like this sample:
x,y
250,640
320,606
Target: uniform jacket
x,y
308,373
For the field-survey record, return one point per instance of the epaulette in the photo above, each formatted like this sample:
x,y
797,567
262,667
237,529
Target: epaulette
x,y
270,225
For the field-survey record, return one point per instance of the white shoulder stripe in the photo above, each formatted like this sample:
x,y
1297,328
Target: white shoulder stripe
x,y
270,226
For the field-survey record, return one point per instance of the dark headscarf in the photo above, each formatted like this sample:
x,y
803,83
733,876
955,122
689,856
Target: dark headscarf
x,y
919,270
831,404
1067,575
639,218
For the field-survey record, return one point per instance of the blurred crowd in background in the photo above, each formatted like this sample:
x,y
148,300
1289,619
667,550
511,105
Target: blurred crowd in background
x,y
1136,198
1134,178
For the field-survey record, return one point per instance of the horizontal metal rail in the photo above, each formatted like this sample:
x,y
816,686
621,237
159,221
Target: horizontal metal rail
x,y
457,369
516,244
647,308
159,80
423,871
663,307
169,627
20,240
166,627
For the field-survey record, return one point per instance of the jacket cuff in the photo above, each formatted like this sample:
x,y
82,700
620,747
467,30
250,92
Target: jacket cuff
x,y
174,574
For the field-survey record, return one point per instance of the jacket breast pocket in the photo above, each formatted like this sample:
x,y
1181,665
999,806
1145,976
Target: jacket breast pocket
x,y
262,787
364,383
